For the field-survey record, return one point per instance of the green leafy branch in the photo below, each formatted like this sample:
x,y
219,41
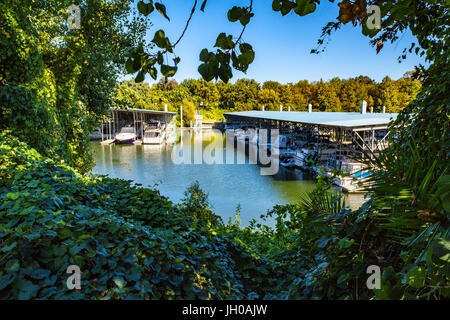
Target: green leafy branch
x,y
217,64
142,62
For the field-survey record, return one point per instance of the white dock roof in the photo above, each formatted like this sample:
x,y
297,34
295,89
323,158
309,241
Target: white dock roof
x,y
325,119
143,111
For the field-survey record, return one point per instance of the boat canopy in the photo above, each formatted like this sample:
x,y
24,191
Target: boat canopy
x,y
127,130
346,120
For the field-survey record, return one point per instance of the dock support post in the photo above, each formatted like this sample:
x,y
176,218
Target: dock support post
x,y
111,122
181,115
363,107
115,122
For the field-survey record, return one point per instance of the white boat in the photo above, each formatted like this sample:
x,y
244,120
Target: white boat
x,y
355,172
126,135
154,134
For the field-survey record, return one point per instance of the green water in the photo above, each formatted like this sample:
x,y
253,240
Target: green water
x,y
228,185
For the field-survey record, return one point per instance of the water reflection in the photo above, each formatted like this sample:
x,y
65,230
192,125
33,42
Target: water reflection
x,y
228,184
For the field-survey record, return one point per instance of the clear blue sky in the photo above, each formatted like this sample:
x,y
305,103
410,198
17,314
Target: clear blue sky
x,y
282,44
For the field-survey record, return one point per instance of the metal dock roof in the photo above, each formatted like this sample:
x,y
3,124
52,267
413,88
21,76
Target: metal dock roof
x,y
326,119
143,111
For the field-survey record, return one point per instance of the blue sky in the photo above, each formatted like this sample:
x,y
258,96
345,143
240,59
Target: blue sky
x,y
282,44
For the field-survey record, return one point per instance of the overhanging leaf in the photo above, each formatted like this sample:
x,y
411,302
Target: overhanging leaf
x,y
145,8
304,7
416,277
225,42
162,10
168,71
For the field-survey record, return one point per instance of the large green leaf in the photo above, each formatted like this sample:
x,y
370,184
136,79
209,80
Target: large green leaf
x,y
6,280
140,76
145,8
37,274
168,71
225,42
161,40
305,7
12,265
207,71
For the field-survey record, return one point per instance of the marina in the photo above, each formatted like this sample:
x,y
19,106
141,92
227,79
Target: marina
x,y
138,144
320,143
227,185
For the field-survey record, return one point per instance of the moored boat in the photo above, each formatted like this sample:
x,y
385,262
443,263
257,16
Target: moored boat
x,y
126,135
153,134
288,162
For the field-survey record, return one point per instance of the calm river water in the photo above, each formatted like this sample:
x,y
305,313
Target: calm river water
x,y
228,185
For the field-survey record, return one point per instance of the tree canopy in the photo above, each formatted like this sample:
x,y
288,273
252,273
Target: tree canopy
x,y
215,98
57,82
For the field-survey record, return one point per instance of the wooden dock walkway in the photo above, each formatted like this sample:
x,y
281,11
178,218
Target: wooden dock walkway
x,y
108,141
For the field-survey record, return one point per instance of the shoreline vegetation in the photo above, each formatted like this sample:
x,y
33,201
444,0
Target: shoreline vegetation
x,y
131,242
57,84
214,99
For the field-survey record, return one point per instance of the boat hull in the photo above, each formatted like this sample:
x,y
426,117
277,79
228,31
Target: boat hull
x,y
125,138
125,141
152,141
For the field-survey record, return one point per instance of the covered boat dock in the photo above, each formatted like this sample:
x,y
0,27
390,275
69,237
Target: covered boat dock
x,y
363,128
137,118
337,140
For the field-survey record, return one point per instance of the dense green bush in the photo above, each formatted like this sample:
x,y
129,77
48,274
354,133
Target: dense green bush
x,y
129,241
324,250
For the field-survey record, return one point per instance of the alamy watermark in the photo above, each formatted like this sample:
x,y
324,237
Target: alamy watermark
x,y
74,281
264,148
373,17
74,19
374,280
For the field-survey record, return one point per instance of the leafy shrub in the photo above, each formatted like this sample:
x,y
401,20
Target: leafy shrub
x,y
129,241
324,249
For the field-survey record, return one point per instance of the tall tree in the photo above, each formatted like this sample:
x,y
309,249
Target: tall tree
x,y
72,75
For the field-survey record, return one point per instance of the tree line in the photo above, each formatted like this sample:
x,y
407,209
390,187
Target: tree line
x,y
214,98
